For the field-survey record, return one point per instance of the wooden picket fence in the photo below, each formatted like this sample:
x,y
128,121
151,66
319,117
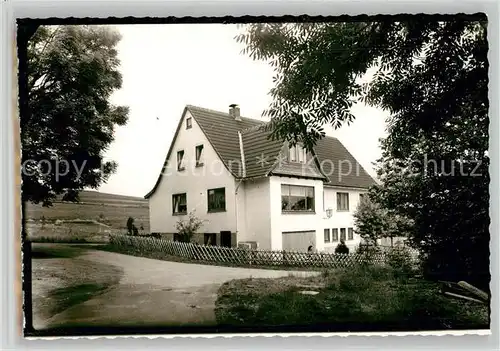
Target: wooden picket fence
x,y
241,256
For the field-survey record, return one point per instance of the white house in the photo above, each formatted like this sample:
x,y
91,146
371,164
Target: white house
x,y
249,188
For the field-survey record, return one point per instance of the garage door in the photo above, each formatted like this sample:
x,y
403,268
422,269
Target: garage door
x,y
298,241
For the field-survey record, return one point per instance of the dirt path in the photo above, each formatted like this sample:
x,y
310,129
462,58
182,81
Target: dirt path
x,y
153,292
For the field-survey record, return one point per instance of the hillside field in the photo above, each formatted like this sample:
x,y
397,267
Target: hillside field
x,y
92,219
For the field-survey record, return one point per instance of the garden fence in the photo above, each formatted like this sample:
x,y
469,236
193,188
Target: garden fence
x,y
242,256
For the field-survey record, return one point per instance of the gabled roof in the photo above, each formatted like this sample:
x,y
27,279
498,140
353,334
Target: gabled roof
x,y
264,156
221,131
341,168
260,152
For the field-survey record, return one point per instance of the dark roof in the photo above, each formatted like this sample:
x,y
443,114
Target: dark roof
x,y
263,155
340,166
222,131
260,152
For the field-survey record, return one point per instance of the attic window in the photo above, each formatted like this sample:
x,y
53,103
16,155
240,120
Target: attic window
x,y
297,153
189,123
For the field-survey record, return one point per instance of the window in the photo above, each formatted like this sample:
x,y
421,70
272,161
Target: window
x,y
335,234
342,233
297,154
189,123
216,200
199,153
180,157
210,239
297,198
327,235
179,204
350,234
342,201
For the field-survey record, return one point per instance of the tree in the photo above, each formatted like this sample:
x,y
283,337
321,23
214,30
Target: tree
x,y
373,222
71,73
431,75
188,227
370,221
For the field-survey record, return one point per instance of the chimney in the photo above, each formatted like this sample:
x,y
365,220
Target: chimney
x,y
234,111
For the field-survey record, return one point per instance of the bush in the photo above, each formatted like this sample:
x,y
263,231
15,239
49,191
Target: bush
x,y
187,228
342,248
400,260
368,253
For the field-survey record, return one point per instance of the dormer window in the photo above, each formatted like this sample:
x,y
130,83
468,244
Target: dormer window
x,y
297,153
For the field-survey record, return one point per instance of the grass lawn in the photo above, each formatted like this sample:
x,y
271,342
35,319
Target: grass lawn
x,y
363,299
91,220
40,251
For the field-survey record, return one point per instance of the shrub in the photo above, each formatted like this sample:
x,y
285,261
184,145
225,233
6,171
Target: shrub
x,y
368,253
187,228
342,248
400,260
372,221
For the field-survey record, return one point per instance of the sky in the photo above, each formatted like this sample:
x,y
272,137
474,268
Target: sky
x,y
165,67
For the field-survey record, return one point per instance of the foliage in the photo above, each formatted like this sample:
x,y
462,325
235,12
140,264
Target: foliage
x,y
71,73
55,239
188,227
342,248
364,299
373,222
400,260
431,75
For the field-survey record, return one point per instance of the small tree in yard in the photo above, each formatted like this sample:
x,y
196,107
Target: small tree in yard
x,y
369,221
373,222
188,227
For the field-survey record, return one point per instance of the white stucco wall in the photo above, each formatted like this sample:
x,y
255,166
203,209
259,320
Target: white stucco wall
x,y
257,203
255,211
289,222
194,181
340,219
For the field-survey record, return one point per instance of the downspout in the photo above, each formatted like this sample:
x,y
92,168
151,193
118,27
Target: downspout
x,y
243,175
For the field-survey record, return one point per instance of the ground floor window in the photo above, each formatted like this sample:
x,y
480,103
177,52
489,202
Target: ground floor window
x,y
216,200
342,234
327,235
297,198
335,234
350,233
179,204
